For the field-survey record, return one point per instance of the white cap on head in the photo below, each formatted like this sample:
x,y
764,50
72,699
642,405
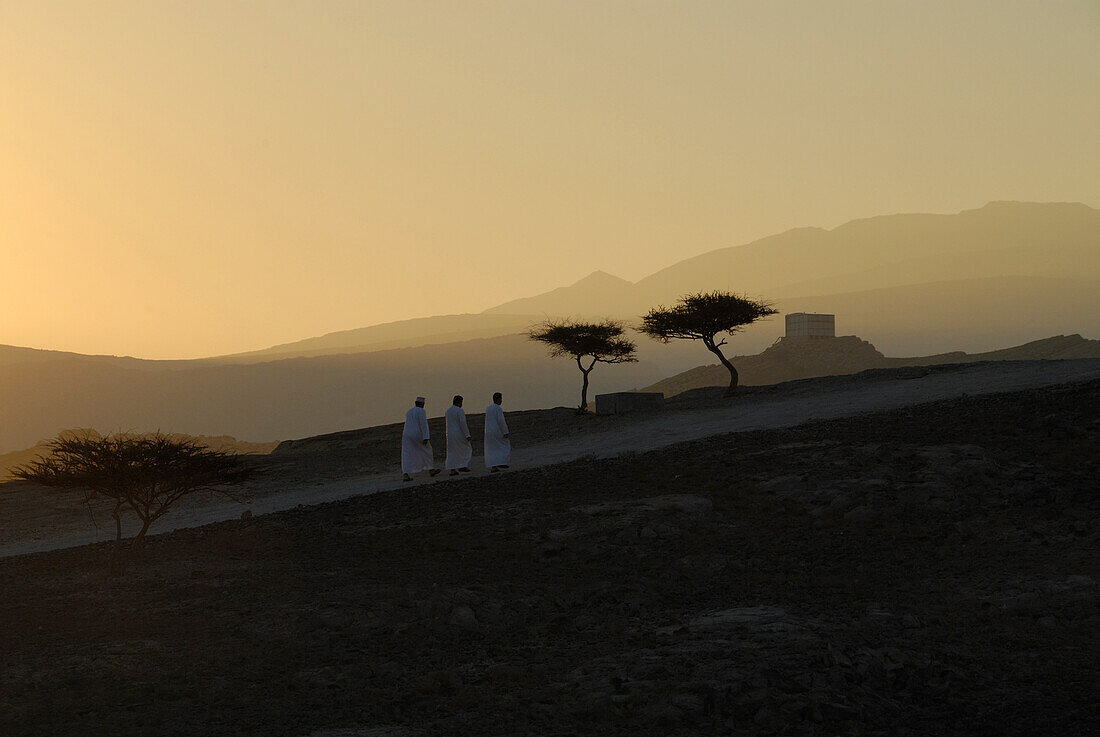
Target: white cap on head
x,y
420,400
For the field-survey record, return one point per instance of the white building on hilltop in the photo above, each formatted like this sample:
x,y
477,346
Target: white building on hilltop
x,y
813,324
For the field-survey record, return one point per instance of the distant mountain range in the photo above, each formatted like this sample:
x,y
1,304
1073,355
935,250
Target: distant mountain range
x,y
919,283
401,334
1000,275
1002,239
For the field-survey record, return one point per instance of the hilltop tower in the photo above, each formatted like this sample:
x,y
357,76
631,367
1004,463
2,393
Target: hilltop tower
x,y
810,324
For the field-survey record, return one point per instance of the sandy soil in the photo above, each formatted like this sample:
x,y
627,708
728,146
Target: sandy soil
x,y
341,465
924,570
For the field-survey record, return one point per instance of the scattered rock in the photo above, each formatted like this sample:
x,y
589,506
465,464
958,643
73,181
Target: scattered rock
x,y
756,616
464,617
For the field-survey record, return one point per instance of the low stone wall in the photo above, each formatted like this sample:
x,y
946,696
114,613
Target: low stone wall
x,y
619,402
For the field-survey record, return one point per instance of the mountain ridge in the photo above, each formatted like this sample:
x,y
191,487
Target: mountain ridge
x,y
600,294
1056,239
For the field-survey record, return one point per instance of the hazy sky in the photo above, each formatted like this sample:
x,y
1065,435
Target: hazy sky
x,y
185,178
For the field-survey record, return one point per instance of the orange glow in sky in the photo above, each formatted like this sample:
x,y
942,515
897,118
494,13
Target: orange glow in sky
x,y
180,179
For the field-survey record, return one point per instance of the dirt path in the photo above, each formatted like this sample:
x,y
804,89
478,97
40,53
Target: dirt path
x,y
791,404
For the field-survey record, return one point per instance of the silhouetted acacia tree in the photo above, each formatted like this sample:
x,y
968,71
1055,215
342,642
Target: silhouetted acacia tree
x,y
588,343
704,316
146,474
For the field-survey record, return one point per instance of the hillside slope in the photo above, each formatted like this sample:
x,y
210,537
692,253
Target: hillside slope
x,y
805,358
8,461
932,567
975,314
296,397
387,336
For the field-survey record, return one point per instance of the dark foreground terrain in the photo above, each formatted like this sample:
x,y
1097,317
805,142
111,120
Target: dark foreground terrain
x,y
923,571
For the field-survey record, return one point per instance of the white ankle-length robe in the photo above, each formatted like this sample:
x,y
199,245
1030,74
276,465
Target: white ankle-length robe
x,y
459,450
498,449
416,455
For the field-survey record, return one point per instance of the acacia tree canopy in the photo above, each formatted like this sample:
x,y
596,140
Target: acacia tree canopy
x,y
587,343
704,316
146,474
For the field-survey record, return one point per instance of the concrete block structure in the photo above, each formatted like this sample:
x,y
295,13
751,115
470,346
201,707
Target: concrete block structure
x,y
619,402
812,324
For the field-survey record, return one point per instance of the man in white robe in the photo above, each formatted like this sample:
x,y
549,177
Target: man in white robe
x,y
416,445
498,448
459,450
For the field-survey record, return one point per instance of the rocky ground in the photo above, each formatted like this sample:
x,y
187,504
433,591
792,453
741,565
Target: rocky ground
x,y
930,570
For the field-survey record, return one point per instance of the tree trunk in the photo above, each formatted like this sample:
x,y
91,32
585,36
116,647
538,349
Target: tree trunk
x,y
584,385
729,367
117,515
584,391
116,563
146,521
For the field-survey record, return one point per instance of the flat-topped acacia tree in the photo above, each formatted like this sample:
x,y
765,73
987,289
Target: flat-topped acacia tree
x,y
145,474
703,316
588,343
